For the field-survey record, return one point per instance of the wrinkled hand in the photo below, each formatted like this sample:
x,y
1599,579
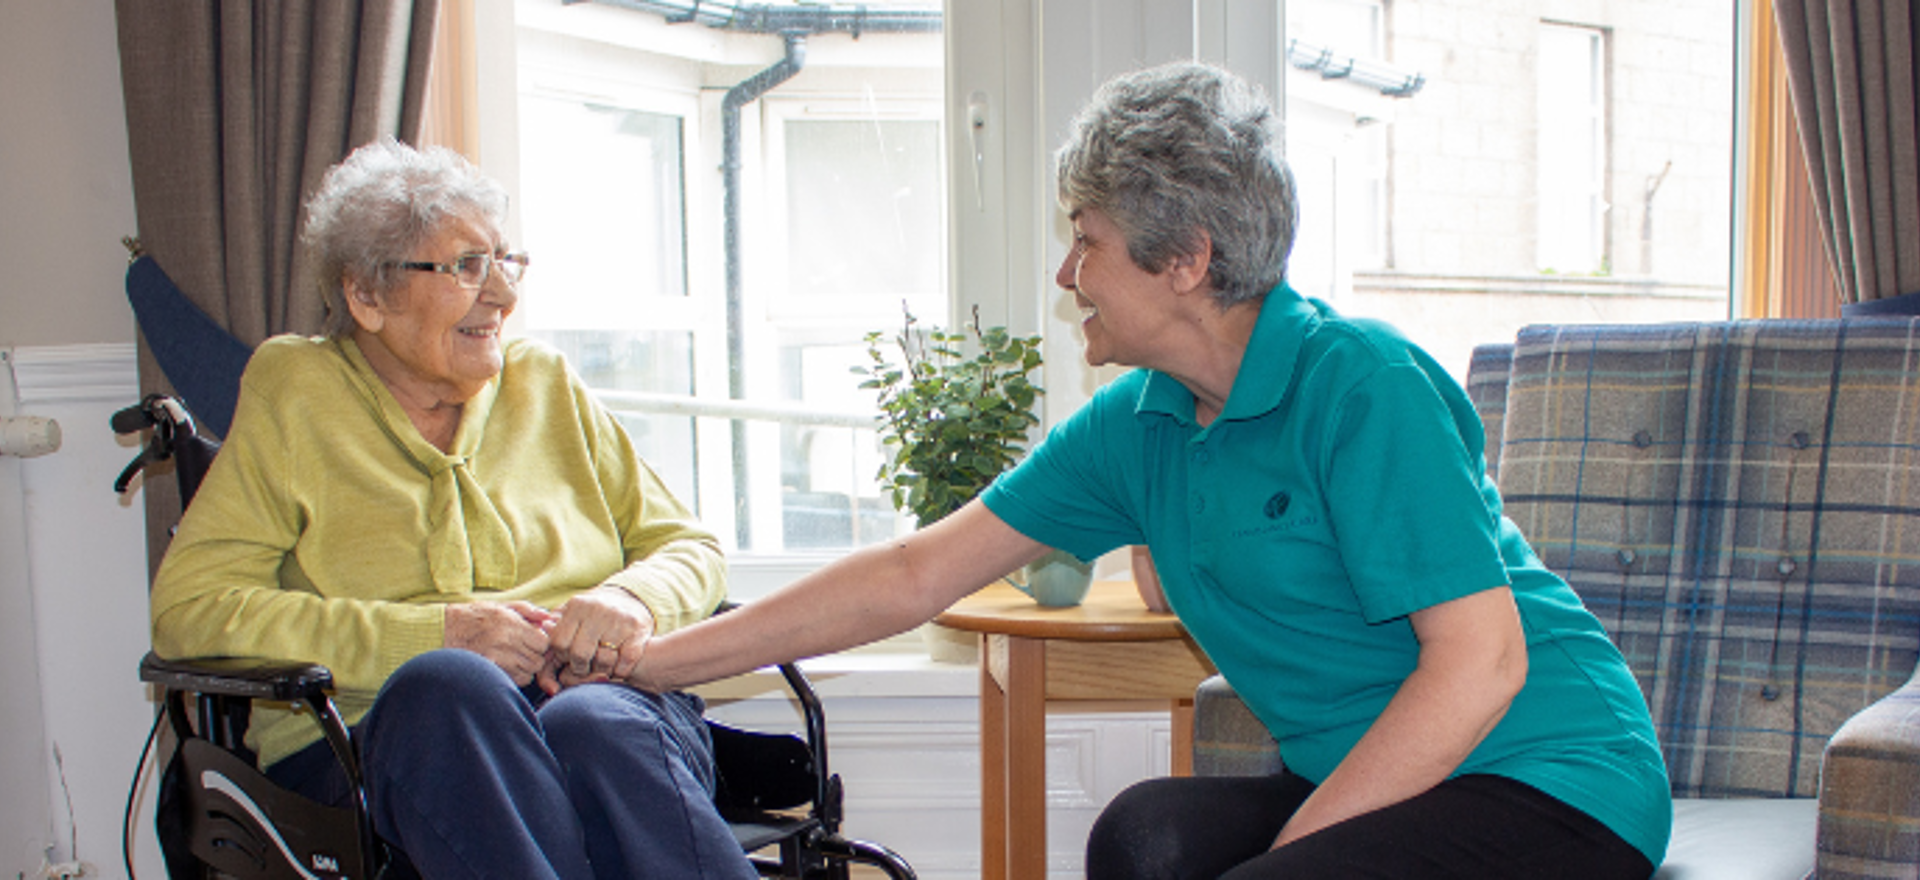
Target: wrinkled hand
x,y
511,634
600,634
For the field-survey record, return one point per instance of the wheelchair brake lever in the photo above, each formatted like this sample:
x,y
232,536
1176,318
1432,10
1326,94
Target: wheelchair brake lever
x,y
138,463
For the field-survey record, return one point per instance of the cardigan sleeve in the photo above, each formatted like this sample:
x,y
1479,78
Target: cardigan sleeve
x,y
673,564
228,586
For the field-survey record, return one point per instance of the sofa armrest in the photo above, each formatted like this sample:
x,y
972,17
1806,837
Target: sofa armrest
x,y
1870,791
1227,739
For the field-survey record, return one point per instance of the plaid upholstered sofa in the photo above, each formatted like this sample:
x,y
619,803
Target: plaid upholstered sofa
x,y
1739,503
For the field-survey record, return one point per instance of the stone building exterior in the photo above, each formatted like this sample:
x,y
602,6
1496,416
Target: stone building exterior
x,y
1560,161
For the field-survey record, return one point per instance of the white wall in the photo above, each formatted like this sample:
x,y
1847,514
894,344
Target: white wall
x,y
26,818
66,191
83,614
66,198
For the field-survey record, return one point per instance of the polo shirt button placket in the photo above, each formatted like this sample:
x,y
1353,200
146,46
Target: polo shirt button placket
x,y
1200,458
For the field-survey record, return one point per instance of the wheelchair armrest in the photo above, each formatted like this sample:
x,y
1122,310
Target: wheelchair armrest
x,y
1870,785
253,678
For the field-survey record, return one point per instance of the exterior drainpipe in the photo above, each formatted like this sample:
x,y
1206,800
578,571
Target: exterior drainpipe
x,y
737,97
792,23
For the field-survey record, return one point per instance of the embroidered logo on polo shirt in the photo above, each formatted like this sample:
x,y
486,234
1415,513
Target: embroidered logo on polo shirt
x,y
1275,510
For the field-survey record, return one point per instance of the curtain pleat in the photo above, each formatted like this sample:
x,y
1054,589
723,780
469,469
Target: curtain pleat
x,y
1850,67
235,110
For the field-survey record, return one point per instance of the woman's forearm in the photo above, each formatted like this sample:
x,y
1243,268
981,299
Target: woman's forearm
x,y
871,594
853,601
1473,662
1417,743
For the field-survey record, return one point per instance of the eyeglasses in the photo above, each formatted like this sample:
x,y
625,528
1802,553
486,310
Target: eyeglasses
x,y
471,270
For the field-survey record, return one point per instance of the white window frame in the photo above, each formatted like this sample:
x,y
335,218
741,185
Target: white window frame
x,y
701,312
770,273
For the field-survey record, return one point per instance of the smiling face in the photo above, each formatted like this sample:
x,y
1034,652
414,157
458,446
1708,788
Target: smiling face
x,y
432,341
1124,306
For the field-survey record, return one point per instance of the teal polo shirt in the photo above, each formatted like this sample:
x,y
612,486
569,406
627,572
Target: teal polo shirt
x,y
1342,488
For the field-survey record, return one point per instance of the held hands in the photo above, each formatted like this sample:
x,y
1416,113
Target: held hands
x,y
595,636
598,635
511,634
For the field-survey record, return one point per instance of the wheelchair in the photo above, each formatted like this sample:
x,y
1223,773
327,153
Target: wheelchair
x,y
218,815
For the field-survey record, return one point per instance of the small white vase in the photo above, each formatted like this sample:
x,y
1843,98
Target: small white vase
x,y
1057,580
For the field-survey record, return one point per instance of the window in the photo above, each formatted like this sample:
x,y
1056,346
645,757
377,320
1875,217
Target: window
x,y
861,195
603,204
731,365
1572,152
1422,135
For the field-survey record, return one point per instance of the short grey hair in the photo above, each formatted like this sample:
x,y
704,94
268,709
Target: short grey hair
x,y
1172,150
378,206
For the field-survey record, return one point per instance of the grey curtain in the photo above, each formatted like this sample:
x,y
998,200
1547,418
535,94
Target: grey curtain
x,y
1850,68
234,111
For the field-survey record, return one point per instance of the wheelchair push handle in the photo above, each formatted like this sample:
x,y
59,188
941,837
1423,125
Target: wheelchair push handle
x,y
172,426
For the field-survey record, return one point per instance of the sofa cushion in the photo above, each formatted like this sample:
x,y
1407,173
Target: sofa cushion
x,y
1741,839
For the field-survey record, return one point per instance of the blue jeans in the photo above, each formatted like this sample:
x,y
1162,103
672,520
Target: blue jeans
x,y
471,776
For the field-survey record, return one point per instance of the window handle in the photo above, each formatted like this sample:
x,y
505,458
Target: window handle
x,y
976,134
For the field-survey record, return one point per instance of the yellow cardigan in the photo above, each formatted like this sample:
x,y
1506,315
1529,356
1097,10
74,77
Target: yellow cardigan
x,y
330,531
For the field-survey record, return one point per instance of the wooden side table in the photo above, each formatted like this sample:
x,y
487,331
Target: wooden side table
x,y
1109,647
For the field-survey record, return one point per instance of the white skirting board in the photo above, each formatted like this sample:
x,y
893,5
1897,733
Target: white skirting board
x,y
82,572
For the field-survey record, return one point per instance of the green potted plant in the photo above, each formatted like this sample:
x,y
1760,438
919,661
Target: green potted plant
x,y
952,421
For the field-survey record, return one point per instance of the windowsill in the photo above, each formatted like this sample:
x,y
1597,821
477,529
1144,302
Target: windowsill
x,y
896,667
1536,284
753,575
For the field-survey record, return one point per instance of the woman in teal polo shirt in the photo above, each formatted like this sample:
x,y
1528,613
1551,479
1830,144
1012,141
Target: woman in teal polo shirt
x,y
1313,491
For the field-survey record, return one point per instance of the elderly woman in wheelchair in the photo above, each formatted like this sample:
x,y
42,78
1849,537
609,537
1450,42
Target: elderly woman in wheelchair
x,y
447,520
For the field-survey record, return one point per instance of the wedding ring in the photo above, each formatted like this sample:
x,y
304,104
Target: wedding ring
x,y
610,645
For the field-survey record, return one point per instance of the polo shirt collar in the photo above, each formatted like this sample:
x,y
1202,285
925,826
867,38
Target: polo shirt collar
x,y
1266,370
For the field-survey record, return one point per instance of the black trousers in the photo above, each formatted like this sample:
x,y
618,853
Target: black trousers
x,y
1480,827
